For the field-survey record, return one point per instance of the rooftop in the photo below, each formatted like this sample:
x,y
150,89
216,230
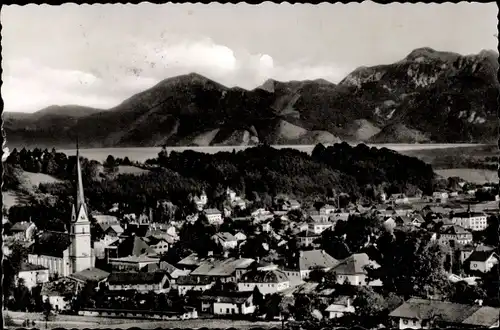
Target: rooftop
x,y
227,297
444,311
27,267
120,278
90,274
316,258
354,264
264,276
226,267
192,280
481,255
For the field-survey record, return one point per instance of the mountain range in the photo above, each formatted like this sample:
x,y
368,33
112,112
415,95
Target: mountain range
x,y
429,96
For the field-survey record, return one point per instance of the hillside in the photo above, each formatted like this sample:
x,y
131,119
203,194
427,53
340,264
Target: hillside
x,y
407,101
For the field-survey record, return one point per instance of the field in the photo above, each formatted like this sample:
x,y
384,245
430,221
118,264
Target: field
x,y
9,198
470,175
82,322
30,179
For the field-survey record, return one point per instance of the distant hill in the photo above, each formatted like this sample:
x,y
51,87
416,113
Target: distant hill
x,y
429,96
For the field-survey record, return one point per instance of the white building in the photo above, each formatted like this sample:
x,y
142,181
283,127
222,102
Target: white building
x,y
475,221
482,261
228,303
139,281
441,196
192,283
225,240
33,275
341,306
214,216
307,238
327,209
267,279
352,270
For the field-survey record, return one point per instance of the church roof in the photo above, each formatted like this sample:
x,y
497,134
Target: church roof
x,y
51,243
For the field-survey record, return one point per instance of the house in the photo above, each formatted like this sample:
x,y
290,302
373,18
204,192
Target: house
x,y
308,261
226,240
132,263
191,283
352,270
454,233
266,226
59,293
307,238
403,209
482,261
113,230
214,216
23,231
341,306
240,237
139,281
475,221
398,199
226,270
228,303
319,223
90,275
158,244
440,196
227,211
292,204
192,218
190,262
268,279
33,275
200,201
231,194
418,313
103,219
339,215
326,210
132,245
240,203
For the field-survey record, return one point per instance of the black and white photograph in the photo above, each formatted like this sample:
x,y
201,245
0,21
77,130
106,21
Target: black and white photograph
x,y
237,166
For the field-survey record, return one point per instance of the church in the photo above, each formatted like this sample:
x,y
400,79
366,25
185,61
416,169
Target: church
x,y
73,251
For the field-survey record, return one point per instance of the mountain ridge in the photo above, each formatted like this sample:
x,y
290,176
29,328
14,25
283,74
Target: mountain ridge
x,y
406,101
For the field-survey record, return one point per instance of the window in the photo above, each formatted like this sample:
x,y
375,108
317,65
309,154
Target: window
x,y
405,321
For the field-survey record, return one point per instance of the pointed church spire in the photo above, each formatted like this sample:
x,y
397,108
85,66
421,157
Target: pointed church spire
x,y
80,198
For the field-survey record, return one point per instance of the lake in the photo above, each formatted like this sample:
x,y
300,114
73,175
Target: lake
x,y
141,154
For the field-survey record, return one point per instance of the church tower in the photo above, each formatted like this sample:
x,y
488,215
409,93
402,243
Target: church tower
x,y
80,251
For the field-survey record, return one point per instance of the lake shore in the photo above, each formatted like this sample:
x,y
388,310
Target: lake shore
x,y
142,154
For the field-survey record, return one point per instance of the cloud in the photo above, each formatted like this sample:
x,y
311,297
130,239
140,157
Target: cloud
x,y
30,85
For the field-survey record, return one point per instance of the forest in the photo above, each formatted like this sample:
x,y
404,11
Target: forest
x,y
258,174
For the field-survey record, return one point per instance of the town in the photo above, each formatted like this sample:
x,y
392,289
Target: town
x,y
407,259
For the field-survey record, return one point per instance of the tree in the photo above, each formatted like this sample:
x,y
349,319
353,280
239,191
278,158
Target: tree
x,y
463,293
47,311
258,299
425,278
317,275
110,165
370,306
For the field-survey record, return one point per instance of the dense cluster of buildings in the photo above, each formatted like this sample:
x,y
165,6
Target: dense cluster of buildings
x,y
132,256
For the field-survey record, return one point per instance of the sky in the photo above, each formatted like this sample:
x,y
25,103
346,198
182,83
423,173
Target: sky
x,y
99,55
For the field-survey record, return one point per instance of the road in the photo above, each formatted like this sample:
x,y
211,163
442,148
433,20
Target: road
x,y
81,322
